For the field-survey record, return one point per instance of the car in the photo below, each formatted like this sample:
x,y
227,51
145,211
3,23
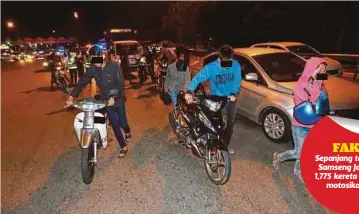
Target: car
x,y
132,49
305,51
269,76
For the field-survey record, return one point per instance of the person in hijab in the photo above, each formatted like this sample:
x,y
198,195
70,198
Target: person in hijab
x,y
307,83
178,76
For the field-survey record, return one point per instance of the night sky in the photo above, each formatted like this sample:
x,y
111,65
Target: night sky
x,y
35,19
327,26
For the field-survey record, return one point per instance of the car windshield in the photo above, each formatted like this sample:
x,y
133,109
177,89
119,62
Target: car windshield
x,y
281,67
303,50
129,49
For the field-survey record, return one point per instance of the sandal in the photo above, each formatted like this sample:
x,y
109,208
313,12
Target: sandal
x,y
128,137
123,152
276,161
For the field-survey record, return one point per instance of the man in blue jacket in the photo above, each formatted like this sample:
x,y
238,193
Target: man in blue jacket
x,y
224,82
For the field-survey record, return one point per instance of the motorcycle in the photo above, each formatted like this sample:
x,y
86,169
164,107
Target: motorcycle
x,y
201,127
61,77
160,81
91,131
145,69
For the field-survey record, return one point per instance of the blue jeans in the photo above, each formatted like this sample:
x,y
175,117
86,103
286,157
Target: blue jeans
x,y
173,95
117,116
299,135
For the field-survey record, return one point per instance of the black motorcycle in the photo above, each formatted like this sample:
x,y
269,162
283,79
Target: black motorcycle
x,y
161,78
200,126
144,70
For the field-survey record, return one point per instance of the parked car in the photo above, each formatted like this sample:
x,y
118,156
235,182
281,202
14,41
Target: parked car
x,y
305,51
266,96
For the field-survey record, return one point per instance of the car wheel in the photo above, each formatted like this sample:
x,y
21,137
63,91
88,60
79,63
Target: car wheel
x,y
276,126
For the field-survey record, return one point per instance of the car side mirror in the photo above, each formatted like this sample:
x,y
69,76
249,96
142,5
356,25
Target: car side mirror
x,y
252,77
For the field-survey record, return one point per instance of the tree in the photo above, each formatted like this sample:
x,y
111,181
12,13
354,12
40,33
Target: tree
x,y
182,18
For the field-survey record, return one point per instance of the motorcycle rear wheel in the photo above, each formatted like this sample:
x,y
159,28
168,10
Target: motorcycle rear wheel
x,y
221,159
87,167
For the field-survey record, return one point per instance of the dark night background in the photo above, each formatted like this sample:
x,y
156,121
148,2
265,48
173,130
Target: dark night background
x,y
327,26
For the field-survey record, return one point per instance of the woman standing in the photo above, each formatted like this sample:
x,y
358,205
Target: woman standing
x,y
307,87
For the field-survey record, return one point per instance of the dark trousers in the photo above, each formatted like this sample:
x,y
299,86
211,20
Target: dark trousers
x,y
80,71
230,110
118,119
73,75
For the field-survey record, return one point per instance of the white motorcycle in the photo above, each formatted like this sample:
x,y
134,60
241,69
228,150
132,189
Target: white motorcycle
x,y
91,132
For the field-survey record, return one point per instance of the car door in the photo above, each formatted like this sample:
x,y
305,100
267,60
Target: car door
x,y
252,92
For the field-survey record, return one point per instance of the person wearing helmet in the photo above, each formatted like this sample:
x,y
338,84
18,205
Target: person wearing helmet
x,y
224,82
109,78
309,88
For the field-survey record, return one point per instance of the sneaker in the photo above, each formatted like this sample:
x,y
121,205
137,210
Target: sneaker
x,y
231,151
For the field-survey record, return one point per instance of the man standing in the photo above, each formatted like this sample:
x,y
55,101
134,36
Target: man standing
x,y
108,76
225,78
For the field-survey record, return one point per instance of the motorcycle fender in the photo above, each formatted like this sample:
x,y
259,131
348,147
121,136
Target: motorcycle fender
x,y
86,138
219,144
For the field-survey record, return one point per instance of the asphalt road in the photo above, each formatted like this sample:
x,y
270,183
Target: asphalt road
x,y
41,161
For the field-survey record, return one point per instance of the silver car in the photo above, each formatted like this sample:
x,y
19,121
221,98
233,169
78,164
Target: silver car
x,y
305,51
269,76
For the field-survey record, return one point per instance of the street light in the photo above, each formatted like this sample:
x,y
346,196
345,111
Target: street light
x,y
10,24
76,15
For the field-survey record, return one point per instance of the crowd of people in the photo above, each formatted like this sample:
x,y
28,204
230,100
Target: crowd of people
x,y
224,82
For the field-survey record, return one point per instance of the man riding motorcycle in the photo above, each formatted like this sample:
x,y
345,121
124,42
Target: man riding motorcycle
x,y
225,78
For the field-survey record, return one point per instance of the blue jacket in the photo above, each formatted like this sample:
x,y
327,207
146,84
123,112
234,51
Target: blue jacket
x,y
223,81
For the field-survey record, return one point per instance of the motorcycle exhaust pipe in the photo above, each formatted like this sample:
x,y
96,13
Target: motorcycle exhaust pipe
x,y
195,149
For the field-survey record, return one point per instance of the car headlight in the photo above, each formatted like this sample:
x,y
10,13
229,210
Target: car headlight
x,y
213,106
206,122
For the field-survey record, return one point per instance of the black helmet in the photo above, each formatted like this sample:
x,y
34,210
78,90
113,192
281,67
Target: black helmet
x,y
225,52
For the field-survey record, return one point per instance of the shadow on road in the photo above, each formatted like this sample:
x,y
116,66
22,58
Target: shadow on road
x,y
46,89
150,92
293,191
64,186
186,188
42,71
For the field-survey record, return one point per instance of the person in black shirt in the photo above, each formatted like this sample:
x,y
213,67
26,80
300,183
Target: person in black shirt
x,y
108,77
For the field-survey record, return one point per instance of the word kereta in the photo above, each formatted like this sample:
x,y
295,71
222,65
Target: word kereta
x,y
346,147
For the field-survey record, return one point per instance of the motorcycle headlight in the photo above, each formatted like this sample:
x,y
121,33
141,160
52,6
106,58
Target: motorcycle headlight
x,y
143,59
45,64
58,68
88,107
206,122
213,106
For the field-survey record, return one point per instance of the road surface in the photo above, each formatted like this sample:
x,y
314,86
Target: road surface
x,y
41,169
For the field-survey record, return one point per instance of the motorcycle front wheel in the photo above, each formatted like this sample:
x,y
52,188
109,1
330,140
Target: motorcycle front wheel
x,y
87,164
218,166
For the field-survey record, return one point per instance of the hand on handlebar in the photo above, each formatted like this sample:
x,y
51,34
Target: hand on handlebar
x,y
69,101
111,102
232,98
188,98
